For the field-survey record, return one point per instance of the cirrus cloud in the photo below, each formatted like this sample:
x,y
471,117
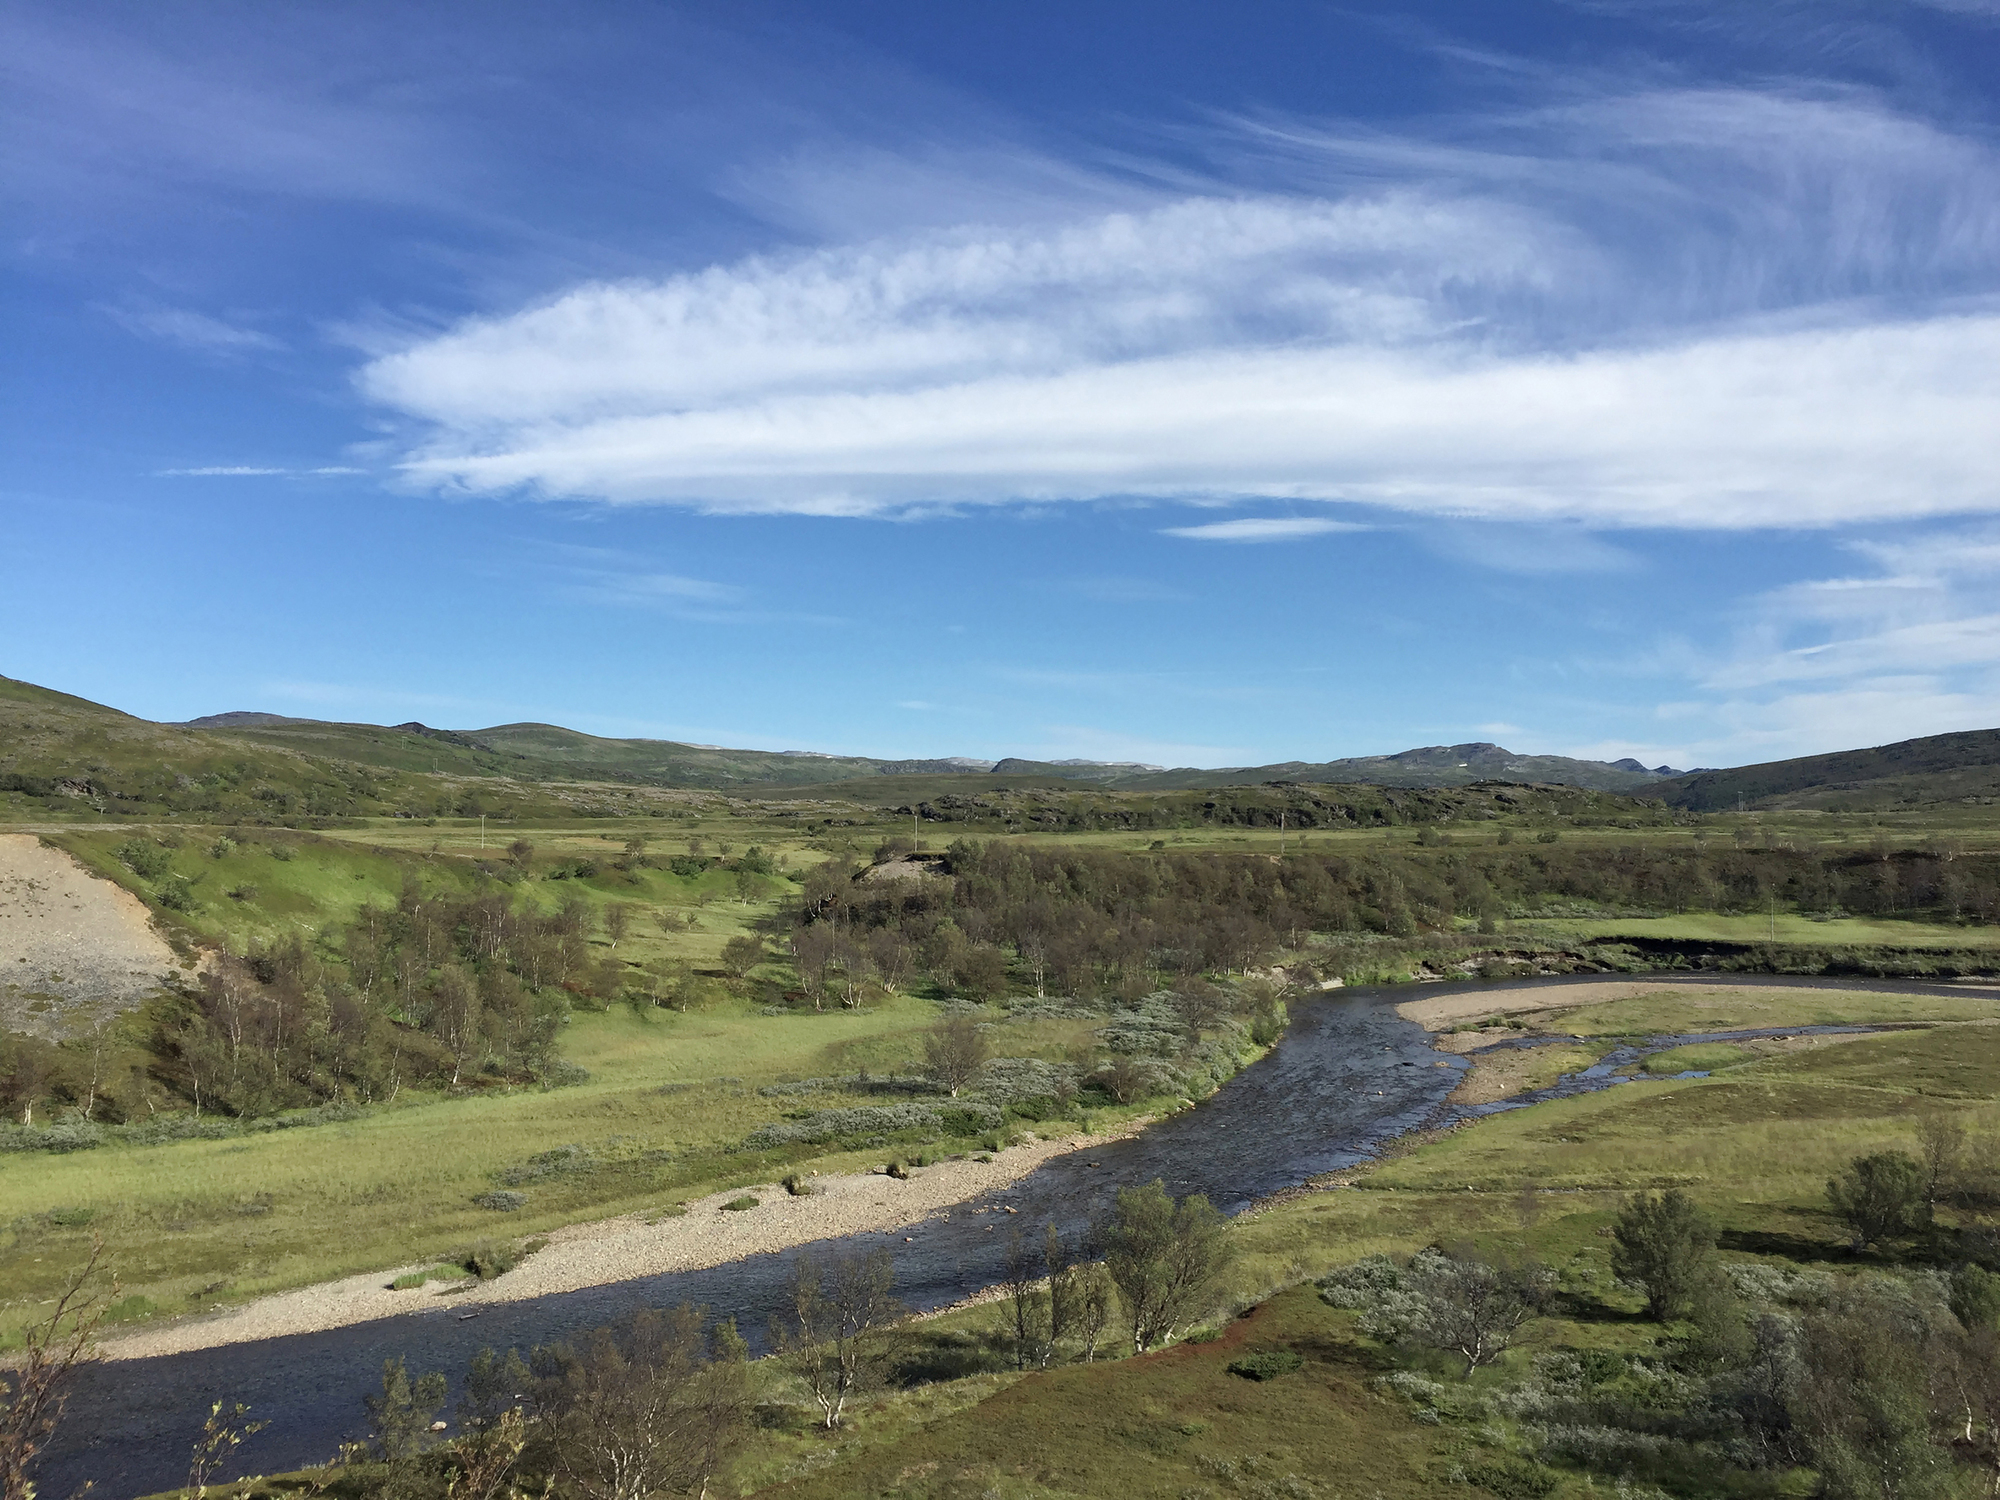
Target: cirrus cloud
x,y
1420,326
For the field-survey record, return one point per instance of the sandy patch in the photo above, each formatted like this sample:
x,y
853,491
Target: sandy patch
x,y
73,947
613,1250
1436,1012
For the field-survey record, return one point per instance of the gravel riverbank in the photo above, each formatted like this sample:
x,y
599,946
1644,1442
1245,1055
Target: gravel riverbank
x,y
629,1247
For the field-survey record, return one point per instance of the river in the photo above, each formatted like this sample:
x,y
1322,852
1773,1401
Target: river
x,y
1348,1075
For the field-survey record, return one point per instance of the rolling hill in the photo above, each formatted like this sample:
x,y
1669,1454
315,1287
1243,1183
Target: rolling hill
x,y
1430,766
59,749
1937,768
550,751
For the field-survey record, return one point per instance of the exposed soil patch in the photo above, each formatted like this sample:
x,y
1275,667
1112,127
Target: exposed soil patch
x,y
74,948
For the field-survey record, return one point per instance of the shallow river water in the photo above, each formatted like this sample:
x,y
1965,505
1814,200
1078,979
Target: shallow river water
x,y
1348,1075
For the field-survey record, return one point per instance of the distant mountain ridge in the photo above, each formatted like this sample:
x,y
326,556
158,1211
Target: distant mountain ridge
x,y
1426,766
674,762
42,731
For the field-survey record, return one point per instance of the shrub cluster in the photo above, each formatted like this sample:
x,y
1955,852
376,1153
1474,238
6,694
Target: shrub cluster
x,y
965,1117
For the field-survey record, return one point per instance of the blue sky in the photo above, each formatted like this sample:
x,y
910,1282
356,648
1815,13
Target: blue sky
x,y
1185,383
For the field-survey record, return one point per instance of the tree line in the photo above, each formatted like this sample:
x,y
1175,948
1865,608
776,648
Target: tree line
x,y
1096,923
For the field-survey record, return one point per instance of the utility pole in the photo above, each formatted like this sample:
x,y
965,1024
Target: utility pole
x,y
1281,833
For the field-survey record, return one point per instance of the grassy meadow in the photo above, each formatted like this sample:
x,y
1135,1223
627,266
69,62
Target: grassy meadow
x,y
1776,927
1690,1008
1754,1147
191,1223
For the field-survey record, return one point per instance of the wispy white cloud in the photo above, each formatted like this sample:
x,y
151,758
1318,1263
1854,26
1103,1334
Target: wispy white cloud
x,y
193,330
1674,309
1263,529
253,471
1906,647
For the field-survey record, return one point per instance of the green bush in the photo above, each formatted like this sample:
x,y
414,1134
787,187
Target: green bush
x,y
1975,1297
147,861
501,1201
1664,1245
177,893
1512,1478
1880,1196
738,1205
491,1258
1268,1365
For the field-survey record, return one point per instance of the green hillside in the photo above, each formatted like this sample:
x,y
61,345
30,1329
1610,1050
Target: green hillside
x,y
66,758
1937,768
406,748
1046,805
668,762
1430,766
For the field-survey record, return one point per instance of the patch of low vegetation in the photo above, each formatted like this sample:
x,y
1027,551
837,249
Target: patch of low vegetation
x,y
413,1279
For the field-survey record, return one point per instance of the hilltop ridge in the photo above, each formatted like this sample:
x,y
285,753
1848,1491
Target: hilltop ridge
x,y
56,743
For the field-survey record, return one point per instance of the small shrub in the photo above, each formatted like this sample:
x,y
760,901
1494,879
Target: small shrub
x,y
738,1205
897,1170
1512,1478
1975,1297
561,1073
147,861
430,1273
71,1218
1268,1365
563,1161
1880,1196
797,1186
822,1126
502,1201
177,893
491,1258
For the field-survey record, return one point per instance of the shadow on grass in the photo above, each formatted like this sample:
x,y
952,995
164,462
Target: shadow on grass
x,y
1581,1307
1793,1247
928,1358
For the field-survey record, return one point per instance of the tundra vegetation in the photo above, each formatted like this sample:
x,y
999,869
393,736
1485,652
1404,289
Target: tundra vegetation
x,y
377,1031
1568,1326
458,994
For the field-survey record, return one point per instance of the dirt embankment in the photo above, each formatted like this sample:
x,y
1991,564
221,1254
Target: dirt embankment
x,y
74,948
